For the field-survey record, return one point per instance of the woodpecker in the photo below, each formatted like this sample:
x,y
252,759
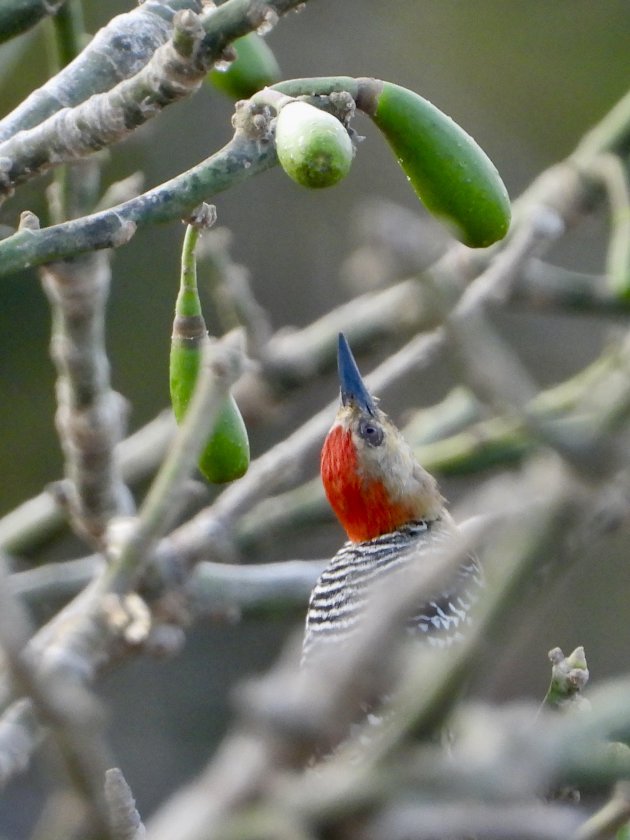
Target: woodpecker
x,y
393,514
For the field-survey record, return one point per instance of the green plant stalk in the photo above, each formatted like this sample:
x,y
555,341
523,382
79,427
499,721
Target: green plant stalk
x,y
17,16
77,185
189,329
610,134
68,31
614,176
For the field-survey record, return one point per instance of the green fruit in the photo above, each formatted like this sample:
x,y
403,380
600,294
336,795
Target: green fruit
x,y
254,68
225,456
449,172
313,146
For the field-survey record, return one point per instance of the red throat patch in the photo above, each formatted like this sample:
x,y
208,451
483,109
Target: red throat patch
x,y
363,507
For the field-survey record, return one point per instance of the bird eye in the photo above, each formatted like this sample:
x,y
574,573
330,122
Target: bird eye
x,y
371,432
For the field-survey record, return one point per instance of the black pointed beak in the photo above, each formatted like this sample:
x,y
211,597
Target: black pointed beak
x,y
353,389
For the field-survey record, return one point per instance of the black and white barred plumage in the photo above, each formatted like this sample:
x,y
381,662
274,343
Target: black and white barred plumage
x,y
340,598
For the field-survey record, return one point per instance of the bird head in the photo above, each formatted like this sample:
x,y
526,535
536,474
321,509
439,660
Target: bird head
x,y
372,480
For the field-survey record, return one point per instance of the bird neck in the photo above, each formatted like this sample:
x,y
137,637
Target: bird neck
x,y
362,503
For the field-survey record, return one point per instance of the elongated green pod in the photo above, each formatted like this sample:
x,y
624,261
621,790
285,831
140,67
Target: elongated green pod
x,y
225,456
254,68
314,148
449,172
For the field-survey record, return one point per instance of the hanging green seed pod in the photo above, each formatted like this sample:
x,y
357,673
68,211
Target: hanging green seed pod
x,y
313,147
225,456
254,68
450,173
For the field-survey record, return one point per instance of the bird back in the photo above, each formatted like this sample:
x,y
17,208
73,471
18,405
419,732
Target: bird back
x,y
341,598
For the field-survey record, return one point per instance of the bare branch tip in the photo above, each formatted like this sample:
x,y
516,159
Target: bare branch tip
x,y
28,221
202,217
129,616
187,22
124,818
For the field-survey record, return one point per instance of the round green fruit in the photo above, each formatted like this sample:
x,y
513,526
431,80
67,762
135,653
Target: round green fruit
x,y
254,68
314,148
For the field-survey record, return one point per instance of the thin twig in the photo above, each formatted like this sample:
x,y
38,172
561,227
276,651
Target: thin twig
x,y
614,176
215,589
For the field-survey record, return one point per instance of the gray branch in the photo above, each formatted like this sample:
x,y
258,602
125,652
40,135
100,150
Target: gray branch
x,y
175,70
90,416
118,51
239,160
105,118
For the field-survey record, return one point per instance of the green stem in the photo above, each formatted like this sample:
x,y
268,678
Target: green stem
x,y
68,31
320,86
188,281
18,16
76,187
612,172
